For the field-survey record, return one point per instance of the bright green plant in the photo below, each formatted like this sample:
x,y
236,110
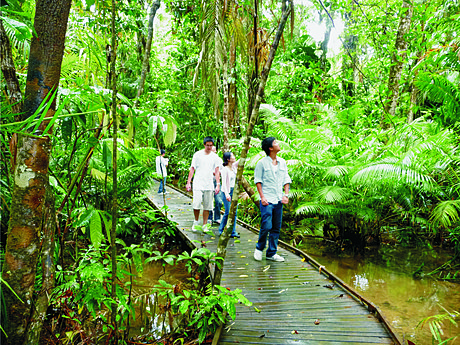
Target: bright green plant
x,y
199,258
436,324
205,312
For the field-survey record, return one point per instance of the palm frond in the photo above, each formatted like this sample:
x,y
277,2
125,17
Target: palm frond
x,y
336,171
312,208
385,171
332,194
99,175
438,88
367,214
446,213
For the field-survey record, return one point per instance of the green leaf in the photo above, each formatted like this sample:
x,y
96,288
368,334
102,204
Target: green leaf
x,y
95,227
183,307
171,131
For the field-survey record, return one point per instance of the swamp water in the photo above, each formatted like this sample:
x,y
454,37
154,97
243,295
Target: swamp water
x,y
150,321
385,278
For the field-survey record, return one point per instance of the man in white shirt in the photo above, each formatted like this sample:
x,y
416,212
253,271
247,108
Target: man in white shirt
x,y
204,163
161,164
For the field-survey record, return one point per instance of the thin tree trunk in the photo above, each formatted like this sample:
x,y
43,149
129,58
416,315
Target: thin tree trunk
x,y
223,239
349,62
83,167
113,231
413,89
9,72
253,80
31,176
325,43
226,103
248,189
232,95
397,62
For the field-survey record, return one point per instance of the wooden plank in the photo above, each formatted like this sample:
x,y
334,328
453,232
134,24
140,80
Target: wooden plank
x,y
290,296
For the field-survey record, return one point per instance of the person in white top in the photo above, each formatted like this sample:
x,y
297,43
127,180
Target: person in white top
x,y
161,164
204,163
228,174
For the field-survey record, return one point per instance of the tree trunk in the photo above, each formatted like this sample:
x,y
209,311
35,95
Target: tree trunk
x,y
413,89
253,79
248,189
48,272
397,62
226,103
349,62
31,177
232,95
148,47
145,67
9,72
113,230
223,239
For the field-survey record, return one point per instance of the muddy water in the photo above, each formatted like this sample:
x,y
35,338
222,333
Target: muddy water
x,y
385,278
149,321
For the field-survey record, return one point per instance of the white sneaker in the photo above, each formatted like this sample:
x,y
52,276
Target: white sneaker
x,y
275,257
206,227
258,255
196,225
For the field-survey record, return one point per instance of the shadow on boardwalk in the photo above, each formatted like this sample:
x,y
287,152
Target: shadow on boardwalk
x,y
294,302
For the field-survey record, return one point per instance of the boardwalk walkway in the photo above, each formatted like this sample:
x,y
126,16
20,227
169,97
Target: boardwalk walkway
x,y
297,301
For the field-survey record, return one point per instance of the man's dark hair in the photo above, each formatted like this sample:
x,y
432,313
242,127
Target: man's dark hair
x,y
267,143
207,140
162,152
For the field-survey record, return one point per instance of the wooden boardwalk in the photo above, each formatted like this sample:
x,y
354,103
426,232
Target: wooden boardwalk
x,y
298,301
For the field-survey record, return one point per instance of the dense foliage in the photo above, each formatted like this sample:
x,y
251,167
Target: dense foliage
x,y
364,172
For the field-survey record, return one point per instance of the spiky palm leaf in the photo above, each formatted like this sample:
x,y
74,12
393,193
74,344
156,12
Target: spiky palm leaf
x,y
392,169
438,88
332,194
446,213
314,208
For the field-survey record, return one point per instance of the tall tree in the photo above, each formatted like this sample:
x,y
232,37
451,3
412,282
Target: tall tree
x,y
223,239
145,68
397,61
31,176
113,230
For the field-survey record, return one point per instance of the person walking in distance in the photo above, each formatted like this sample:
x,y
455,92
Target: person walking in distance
x,y
272,181
228,174
161,164
214,215
204,163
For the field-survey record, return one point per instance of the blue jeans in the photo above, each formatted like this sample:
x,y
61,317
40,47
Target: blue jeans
x,y
217,206
162,185
227,205
270,224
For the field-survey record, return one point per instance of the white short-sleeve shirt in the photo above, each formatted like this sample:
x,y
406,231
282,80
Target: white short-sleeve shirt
x,y
204,165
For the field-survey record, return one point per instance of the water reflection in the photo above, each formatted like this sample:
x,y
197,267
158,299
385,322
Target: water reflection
x,y
150,319
385,279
